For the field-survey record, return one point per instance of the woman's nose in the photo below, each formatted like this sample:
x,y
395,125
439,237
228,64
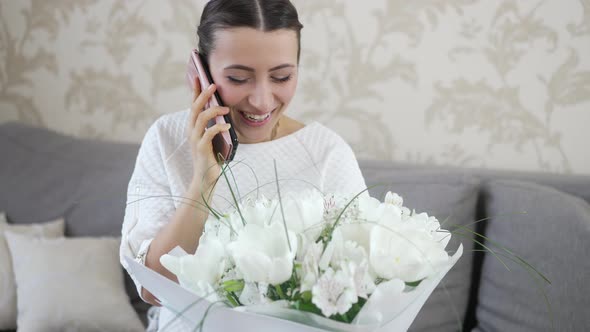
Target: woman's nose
x,y
262,98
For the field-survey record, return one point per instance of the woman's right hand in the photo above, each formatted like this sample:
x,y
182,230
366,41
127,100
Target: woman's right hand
x,y
205,167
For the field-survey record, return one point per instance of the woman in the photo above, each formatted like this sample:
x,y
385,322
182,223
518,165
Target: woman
x,y
252,48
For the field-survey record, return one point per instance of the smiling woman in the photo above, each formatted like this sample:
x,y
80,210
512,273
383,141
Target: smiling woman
x,y
256,73
252,50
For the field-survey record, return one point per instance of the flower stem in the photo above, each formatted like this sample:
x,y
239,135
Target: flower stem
x,y
281,204
280,292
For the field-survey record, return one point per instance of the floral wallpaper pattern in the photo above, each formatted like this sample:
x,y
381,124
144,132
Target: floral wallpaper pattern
x,y
495,84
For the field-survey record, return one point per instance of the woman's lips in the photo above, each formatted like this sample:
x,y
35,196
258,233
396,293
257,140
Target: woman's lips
x,y
255,123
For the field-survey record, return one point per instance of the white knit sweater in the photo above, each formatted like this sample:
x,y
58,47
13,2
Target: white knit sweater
x,y
312,157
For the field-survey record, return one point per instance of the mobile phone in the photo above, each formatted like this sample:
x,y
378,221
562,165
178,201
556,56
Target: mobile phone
x,y
225,143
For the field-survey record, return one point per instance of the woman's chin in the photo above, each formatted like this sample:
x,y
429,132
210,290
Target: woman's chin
x,y
251,135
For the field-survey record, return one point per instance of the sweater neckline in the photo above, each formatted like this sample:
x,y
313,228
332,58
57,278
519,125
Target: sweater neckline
x,y
279,140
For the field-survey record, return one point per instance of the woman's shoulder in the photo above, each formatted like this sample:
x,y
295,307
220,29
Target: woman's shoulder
x,y
289,126
318,134
169,127
174,123
166,134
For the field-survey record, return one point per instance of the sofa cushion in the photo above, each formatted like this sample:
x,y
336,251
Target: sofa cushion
x,y
74,178
70,285
448,197
50,229
550,230
52,175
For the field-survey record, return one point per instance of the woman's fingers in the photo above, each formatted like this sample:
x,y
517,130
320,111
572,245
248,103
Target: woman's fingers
x,y
206,116
193,115
197,90
214,130
198,104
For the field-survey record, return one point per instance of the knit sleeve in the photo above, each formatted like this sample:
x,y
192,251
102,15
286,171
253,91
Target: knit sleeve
x,y
149,202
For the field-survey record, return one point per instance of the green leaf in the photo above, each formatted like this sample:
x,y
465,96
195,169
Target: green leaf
x,y
306,296
308,307
231,300
355,309
280,292
233,285
413,283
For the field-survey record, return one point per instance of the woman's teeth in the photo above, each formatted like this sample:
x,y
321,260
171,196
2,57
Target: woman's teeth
x,y
255,117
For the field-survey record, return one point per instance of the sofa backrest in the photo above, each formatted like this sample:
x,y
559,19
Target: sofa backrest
x,y
45,175
576,185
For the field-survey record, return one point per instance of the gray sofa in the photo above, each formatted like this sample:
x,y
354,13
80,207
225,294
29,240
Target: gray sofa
x,y
543,218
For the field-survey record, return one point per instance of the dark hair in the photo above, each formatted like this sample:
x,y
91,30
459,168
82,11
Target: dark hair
x,y
264,15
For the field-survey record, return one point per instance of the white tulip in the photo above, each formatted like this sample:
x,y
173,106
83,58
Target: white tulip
x,y
202,271
225,229
360,233
260,211
407,254
262,253
304,213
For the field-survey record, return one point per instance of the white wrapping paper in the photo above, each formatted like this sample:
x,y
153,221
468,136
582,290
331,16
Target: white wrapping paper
x,y
388,308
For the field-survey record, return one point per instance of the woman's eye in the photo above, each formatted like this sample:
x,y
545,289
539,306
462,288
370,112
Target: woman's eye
x,y
281,79
237,80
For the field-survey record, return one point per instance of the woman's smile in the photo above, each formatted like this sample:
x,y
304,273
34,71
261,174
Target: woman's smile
x,y
257,119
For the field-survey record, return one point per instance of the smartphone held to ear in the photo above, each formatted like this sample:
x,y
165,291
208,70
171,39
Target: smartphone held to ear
x,y
225,143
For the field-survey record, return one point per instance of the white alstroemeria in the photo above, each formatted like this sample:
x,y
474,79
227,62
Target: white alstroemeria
x,y
333,247
406,213
310,271
262,253
394,199
352,257
359,273
408,254
430,225
371,210
254,293
423,221
334,293
303,212
225,229
202,271
354,261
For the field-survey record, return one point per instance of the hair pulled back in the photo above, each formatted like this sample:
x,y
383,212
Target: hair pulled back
x,y
263,15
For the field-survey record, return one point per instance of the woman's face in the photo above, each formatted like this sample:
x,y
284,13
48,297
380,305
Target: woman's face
x,y
256,76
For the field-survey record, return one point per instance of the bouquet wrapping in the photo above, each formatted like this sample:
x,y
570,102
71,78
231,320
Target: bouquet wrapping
x,y
307,262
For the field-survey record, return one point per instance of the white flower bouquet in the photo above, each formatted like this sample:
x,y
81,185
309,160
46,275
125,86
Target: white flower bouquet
x,y
314,262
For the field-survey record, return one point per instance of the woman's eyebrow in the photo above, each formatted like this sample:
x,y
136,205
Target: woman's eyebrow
x,y
241,67
286,65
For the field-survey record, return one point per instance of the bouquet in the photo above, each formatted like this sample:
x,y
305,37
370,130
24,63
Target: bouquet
x,y
333,262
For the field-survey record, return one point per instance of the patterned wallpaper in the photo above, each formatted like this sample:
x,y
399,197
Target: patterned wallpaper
x,y
496,84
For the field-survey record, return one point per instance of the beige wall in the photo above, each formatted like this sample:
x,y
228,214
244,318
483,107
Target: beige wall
x,y
497,84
